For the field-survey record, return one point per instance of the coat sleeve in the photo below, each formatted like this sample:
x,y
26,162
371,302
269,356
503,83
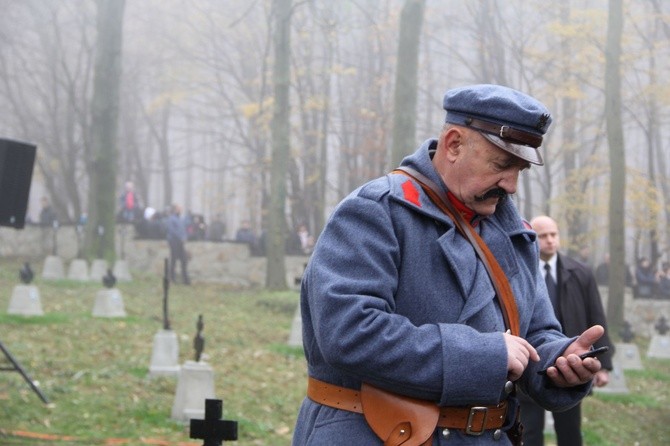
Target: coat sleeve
x,y
550,343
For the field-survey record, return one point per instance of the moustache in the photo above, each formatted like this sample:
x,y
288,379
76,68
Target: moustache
x,y
497,192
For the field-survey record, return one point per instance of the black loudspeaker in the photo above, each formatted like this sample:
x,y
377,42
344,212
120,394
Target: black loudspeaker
x,y
16,172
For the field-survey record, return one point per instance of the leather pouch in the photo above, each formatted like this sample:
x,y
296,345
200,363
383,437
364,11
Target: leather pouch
x,y
397,419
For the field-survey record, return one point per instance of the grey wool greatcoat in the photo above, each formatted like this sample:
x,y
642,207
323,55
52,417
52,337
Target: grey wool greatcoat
x,y
394,296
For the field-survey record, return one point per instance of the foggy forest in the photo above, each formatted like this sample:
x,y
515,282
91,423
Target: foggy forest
x,y
196,108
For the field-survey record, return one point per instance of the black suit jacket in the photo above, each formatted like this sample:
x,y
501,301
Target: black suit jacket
x,y
580,305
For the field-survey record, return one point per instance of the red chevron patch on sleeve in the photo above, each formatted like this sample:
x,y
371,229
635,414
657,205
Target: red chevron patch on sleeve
x,y
410,193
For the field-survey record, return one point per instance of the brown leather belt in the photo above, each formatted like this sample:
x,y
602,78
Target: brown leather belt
x,y
473,420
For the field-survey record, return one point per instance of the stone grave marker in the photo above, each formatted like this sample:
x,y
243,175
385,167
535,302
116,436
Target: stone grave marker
x,y
165,353
78,270
659,347
627,356
617,382
98,270
25,300
121,271
195,384
53,268
626,353
108,301
53,264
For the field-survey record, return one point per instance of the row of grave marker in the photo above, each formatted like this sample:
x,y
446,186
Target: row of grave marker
x,y
54,269
26,300
194,400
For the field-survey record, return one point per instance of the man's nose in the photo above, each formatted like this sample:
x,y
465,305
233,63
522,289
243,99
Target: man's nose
x,y
509,181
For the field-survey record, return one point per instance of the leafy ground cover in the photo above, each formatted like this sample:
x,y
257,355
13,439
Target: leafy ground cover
x,y
94,370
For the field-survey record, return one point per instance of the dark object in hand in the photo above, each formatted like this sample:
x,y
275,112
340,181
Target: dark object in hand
x,y
589,354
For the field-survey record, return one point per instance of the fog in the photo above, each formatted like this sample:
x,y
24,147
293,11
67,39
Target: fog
x,y
197,100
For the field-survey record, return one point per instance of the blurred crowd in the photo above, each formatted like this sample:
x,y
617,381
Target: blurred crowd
x,y
647,280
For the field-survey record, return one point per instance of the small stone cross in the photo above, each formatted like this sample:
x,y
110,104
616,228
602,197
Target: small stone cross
x,y
626,332
213,429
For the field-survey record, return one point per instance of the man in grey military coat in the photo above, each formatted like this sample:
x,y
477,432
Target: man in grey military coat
x,y
395,298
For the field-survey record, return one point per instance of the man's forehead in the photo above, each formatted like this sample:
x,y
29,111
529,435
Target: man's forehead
x,y
544,227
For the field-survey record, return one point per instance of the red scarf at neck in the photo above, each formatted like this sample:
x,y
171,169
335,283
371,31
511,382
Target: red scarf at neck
x,y
467,213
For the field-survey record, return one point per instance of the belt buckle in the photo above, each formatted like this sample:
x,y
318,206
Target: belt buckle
x,y
473,411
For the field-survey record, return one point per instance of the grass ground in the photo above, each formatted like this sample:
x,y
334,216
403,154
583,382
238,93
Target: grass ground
x,y
94,370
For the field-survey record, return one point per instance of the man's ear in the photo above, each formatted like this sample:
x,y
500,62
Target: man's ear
x,y
453,141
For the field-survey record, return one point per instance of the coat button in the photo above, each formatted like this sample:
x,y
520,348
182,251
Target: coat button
x,y
446,433
509,386
497,434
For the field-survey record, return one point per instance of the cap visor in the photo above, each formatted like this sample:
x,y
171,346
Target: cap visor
x,y
530,154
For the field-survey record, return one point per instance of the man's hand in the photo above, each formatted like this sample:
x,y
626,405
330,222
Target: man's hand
x,y
569,370
519,351
602,378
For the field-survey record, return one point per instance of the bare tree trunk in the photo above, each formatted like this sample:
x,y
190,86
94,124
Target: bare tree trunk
x,y
99,238
569,146
407,67
663,179
275,278
617,157
319,202
161,137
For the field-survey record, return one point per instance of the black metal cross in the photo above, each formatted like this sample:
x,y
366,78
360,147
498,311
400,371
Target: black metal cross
x,y
626,332
662,325
54,234
166,287
199,340
213,429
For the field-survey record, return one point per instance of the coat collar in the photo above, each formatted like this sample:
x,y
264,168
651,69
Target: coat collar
x,y
410,194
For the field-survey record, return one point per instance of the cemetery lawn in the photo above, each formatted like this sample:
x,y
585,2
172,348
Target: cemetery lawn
x,y
94,370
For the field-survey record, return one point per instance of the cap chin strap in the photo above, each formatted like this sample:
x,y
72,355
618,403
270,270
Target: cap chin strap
x,y
506,132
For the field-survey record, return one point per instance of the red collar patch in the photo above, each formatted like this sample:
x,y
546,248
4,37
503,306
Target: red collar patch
x,y
410,193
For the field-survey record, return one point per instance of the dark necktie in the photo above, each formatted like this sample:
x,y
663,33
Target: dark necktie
x,y
551,286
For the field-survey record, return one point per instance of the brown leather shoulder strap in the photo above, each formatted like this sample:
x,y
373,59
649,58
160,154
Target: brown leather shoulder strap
x,y
498,278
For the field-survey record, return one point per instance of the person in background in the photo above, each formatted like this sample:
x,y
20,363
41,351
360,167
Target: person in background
x,y
399,310
603,273
646,279
245,234
216,230
299,242
47,213
197,228
130,205
176,238
664,281
306,239
576,302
